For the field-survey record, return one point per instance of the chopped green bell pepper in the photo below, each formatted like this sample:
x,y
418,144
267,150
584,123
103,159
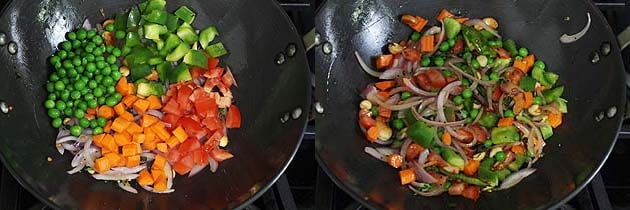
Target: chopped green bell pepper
x,y
508,134
153,31
207,35
420,133
410,119
163,69
180,73
185,14
486,174
187,33
154,5
196,58
133,18
180,51
156,16
216,50
562,105
474,39
132,39
510,46
528,83
453,158
172,41
488,119
452,27
172,23
517,163
546,131
139,55
539,75
552,95
139,71
501,174
147,88
551,78
155,61
463,178
120,22
501,63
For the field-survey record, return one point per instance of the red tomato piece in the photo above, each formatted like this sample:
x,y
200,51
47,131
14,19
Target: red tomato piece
x,y
173,155
197,93
471,192
214,73
437,80
172,107
212,62
206,107
192,127
233,117
424,82
200,157
171,119
220,155
213,141
213,123
211,83
189,145
184,165
228,79
366,122
196,72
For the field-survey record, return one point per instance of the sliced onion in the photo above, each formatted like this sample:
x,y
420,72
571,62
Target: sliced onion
x,y
432,31
522,128
441,98
169,175
510,88
374,153
435,191
515,178
397,90
391,73
373,98
86,24
422,158
461,152
78,159
69,147
87,153
369,89
403,150
381,142
229,74
394,99
127,170
155,113
412,88
66,139
478,22
196,169
62,133
460,71
60,148
423,175
566,39
150,189
127,187
440,39
76,169
501,107
148,155
115,177
365,67
214,165
436,123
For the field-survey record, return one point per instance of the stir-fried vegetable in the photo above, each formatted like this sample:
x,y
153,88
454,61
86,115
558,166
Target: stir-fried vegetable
x,y
461,109
116,112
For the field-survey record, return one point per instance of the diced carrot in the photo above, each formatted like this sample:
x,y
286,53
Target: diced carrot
x,y
383,95
372,134
407,176
521,65
518,149
122,86
427,44
129,100
120,108
98,139
462,19
519,103
160,185
505,122
132,89
129,150
139,138
109,143
384,85
420,24
160,131
529,62
446,138
106,112
90,111
384,112
529,99
384,61
133,161
122,138
108,127
149,145
145,178
102,165
555,119
134,128
394,160
471,167
172,141
157,173
444,14
148,120
159,162
154,102
127,116
115,159
162,147
141,105
149,134
180,134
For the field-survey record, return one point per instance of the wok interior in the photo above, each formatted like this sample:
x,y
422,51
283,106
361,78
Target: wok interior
x,y
572,156
262,146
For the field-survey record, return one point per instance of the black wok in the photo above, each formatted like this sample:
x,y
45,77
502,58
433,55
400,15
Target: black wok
x,y
263,146
572,156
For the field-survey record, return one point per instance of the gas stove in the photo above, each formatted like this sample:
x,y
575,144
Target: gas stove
x,y
305,186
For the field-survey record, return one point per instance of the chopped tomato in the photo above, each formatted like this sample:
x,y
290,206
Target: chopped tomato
x,y
200,157
384,61
192,127
172,107
456,188
206,107
211,83
189,145
173,155
220,154
413,151
423,81
411,54
228,79
214,72
213,141
184,165
458,47
212,62
478,133
436,79
233,117
212,123
196,72
471,192
366,122
502,52
171,119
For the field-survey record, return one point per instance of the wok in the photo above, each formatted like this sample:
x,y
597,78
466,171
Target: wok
x,y
573,155
263,146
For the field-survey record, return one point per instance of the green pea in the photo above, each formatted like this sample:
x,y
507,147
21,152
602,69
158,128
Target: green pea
x,y
84,91
98,77
415,36
111,59
451,42
60,105
405,95
111,90
54,59
52,96
447,73
398,124
107,81
97,130
523,52
76,44
492,43
56,122
426,61
499,156
67,111
467,93
98,92
76,130
518,57
508,113
49,104
79,85
66,45
374,111
71,54
540,64
487,143
490,61
93,124
82,105
68,64
84,123
116,52
92,103
75,94
110,28
88,96
90,67
59,85
99,58
465,82
444,46
116,75
474,113
468,120
458,100
101,121
439,61
65,94
97,40
81,34
467,55
79,113
88,75
98,52
61,72
117,96
65,80
91,33
538,100
70,104
485,77
475,64
494,76
50,87
100,64
58,65
111,101
106,71
80,69
54,113
62,54
54,77
101,100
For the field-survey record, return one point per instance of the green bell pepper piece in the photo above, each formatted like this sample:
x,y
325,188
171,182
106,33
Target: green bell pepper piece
x,y
546,131
486,34
216,50
528,83
453,158
551,78
196,58
488,119
508,134
180,51
180,73
553,94
133,18
153,31
184,13
510,46
142,6
155,61
172,41
410,119
517,163
156,16
474,39
120,22
420,133
463,178
132,39
452,27
539,75
562,105
486,174
163,69
172,23
449,113
501,63
187,33
207,35
154,5
139,55
139,71
501,174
